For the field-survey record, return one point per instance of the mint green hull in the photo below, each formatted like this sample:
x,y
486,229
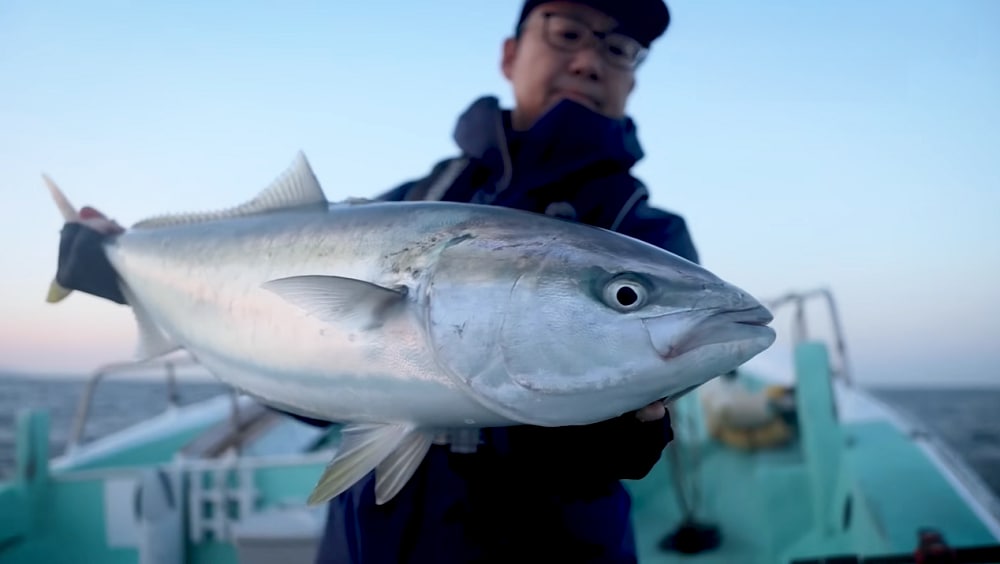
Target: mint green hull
x,y
860,487
847,484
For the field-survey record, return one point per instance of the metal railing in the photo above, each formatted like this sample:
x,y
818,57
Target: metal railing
x,y
800,331
169,364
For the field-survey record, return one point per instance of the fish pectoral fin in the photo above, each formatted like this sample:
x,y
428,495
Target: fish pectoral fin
x,y
339,300
153,342
363,447
396,470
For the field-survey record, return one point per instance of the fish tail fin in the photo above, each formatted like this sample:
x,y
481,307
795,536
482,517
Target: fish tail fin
x,y
57,292
153,341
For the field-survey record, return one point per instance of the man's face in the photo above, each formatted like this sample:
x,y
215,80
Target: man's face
x,y
544,72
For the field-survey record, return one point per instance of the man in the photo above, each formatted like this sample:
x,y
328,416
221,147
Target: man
x,y
564,149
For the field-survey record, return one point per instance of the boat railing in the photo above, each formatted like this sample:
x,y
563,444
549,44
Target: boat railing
x,y
800,326
168,364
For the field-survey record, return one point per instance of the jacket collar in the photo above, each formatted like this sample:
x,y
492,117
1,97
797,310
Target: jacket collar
x,y
567,139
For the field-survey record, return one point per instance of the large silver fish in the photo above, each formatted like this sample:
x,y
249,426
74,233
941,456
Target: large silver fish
x,y
405,319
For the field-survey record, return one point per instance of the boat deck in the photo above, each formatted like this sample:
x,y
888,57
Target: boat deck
x,y
763,505
731,487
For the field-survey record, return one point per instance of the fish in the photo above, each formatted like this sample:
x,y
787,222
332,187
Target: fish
x,y
404,321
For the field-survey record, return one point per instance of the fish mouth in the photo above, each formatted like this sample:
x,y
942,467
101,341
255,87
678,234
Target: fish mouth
x,y
672,338
757,315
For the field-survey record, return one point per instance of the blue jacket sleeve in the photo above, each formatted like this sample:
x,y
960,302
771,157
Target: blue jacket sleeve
x,y
83,266
622,448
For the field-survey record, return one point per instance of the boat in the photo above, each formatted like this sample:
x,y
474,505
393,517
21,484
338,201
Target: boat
x,y
770,468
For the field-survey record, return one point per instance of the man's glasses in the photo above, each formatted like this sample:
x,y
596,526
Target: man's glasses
x,y
566,33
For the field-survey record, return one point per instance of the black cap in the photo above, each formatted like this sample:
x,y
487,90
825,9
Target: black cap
x,y
643,20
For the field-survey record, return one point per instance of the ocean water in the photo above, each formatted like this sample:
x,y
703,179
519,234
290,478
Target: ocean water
x,y
116,405
967,420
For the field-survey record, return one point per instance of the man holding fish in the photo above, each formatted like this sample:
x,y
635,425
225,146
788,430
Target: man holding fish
x,y
523,491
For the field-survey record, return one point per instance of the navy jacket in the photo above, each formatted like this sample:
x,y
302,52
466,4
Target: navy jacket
x,y
528,493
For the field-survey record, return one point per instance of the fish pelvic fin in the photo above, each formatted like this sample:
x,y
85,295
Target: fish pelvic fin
x,y
396,470
296,187
393,450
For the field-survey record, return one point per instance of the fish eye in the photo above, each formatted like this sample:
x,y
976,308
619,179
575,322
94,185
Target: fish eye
x,y
625,295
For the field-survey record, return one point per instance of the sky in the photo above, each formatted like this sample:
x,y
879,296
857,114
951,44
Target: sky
x,y
849,145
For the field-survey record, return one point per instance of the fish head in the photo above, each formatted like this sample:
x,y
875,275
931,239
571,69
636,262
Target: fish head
x,y
583,325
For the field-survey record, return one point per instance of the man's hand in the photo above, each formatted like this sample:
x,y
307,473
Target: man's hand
x,y
652,412
99,222
83,265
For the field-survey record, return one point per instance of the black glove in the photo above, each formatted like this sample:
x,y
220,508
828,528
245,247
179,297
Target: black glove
x,y
83,266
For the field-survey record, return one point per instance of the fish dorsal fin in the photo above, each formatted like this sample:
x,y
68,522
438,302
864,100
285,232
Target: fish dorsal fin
x,y
296,187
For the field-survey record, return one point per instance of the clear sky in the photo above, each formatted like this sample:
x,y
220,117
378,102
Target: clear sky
x,y
849,144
